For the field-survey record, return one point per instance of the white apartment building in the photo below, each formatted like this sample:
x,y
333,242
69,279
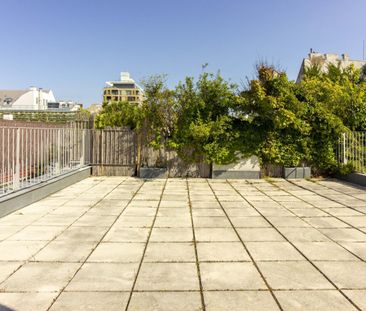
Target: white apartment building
x,y
32,99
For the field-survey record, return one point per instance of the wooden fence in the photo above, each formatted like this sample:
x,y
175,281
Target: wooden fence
x,y
112,152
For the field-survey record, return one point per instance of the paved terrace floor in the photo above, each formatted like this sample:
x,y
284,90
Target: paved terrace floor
x,y
196,244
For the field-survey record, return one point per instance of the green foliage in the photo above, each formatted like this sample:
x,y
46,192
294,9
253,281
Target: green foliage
x,y
344,169
341,91
119,114
204,128
283,123
271,107
158,111
302,123
48,116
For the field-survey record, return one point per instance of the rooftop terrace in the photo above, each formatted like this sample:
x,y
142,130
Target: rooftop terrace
x,y
121,243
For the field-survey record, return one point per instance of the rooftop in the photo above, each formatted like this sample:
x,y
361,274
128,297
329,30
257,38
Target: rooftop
x,y
323,60
187,244
125,79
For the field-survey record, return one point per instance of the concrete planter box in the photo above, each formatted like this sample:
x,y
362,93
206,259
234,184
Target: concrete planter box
x,y
296,172
153,172
354,178
245,168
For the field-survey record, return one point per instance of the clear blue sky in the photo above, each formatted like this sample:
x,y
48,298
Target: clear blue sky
x,y
74,46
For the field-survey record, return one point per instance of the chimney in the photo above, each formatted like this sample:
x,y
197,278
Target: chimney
x,y
125,76
345,57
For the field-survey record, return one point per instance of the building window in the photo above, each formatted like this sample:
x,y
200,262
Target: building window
x,y
131,98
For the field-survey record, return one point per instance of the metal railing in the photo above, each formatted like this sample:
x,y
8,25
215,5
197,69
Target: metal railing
x,y
352,150
30,156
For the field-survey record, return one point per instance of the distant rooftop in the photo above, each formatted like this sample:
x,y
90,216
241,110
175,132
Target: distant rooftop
x,y
125,80
323,60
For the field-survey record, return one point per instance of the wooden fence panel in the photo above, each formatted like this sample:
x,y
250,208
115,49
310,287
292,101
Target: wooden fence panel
x,y
113,152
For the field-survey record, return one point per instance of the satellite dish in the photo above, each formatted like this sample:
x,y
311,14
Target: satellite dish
x,y
8,101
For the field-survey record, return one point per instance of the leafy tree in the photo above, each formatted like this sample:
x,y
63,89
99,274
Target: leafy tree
x,y
272,120
336,101
159,115
119,114
341,91
204,128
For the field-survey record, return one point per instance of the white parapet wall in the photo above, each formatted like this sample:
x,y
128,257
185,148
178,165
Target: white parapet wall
x,y
244,168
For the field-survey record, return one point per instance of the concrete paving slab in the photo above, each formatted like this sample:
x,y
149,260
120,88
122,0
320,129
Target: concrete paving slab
x,y
230,276
117,234
40,277
26,301
211,222
221,251
249,222
65,251
37,233
167,301
303,235
345,274
176,222
167,276
345,234
104,277
313,300
329,251
288,221
358,297
326,222
272,251
216,235
246,211
170,252
19,250
293,275
356,221
171,235
239,300
92,220
359,249
7,268
198,212
7,231
259,235
18,219
134,222
91,301
88,234
117,252
56,220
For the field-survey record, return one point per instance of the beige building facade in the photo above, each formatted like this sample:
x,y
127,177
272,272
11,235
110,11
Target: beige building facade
x,y
126,89
323,60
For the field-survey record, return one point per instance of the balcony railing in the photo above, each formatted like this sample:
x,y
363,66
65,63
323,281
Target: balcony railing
x,y
352,150
30,156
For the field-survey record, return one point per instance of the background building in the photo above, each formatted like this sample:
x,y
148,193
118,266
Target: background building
x,y
323,60
68,105
31,99
34,99
126,89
